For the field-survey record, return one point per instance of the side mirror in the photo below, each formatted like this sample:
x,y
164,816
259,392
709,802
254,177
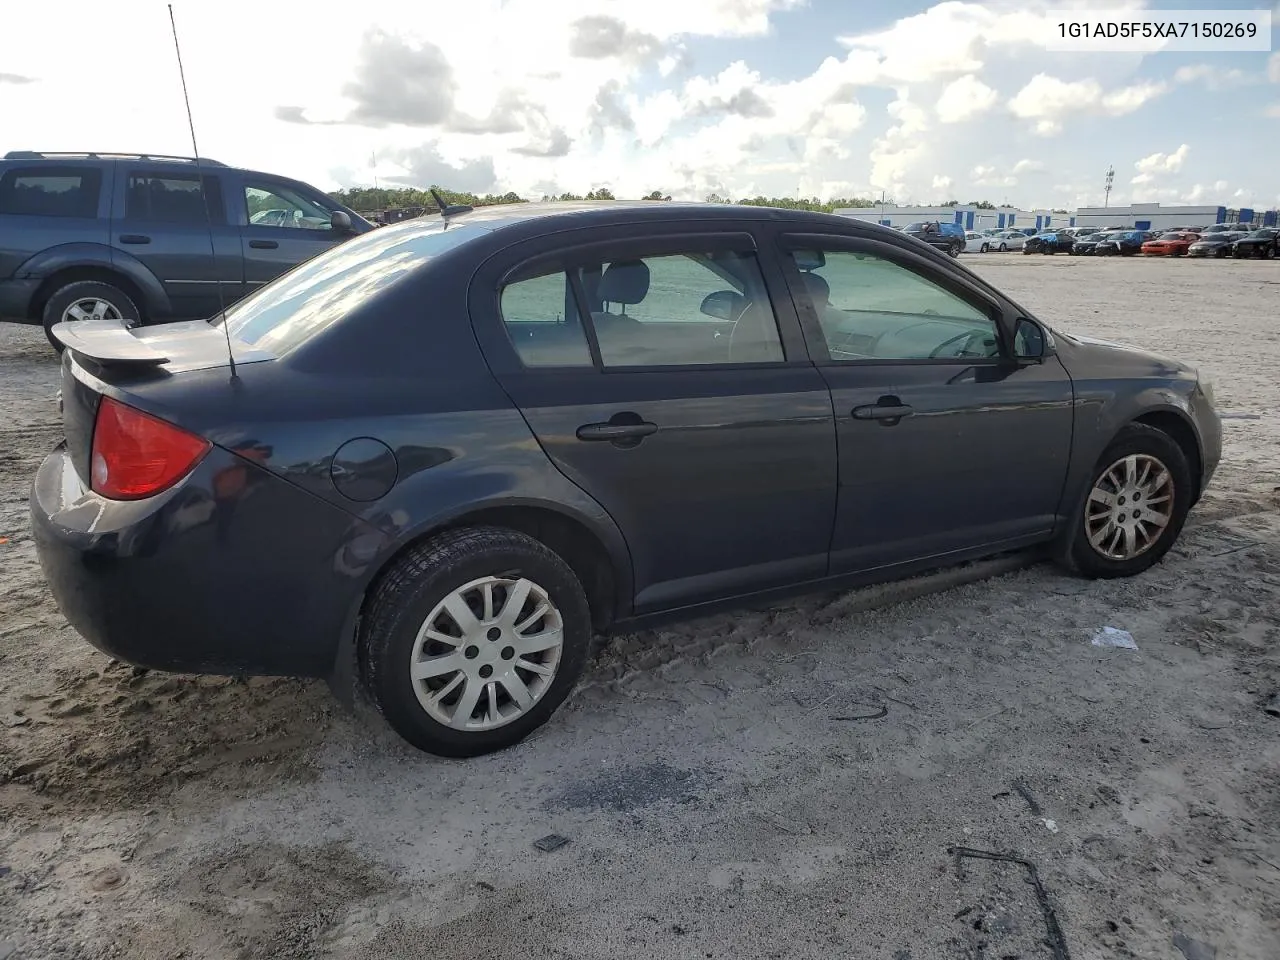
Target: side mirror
x,y
807,260
722,305
339,222
1028,342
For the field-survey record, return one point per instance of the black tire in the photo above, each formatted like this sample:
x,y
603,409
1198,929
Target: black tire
x,y
1268,253
1004,248
1075,550
953,250
68,294
420,580
984,248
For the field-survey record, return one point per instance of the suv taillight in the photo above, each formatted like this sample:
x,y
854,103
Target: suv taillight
x,y
136,455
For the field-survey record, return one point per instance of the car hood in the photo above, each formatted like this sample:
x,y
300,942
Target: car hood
x,y
1093,357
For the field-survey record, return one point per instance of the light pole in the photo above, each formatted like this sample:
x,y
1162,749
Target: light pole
x,y
1111,176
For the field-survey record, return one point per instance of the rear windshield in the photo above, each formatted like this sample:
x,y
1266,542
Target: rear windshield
x,y
311,297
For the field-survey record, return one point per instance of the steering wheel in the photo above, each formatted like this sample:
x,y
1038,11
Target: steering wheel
x,y
936,352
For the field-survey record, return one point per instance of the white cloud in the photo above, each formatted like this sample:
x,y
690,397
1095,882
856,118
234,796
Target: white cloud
x,y
964,98
942,183
1028,166
1213,77
1273,66
894,153
1048,100
1155,164
990,176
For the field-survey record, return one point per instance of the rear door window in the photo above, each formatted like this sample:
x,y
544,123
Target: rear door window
x,y
51,191
174,198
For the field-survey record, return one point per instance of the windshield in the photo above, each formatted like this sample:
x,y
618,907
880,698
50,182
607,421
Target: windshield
x,y
307,299
1262,235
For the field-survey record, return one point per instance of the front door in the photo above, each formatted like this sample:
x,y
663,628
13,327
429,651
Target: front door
x,y
657,376
945,443
282,227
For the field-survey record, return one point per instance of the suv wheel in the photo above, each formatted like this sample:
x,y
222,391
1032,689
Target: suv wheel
x,y
87,300
1135,507
954,250
473,639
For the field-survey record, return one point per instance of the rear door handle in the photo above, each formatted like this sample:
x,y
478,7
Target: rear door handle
x,y
134,238
883,412
263,244
617,431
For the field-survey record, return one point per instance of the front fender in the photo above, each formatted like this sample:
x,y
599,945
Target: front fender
x,y
68,256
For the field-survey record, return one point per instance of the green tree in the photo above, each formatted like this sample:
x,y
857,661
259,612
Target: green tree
x,y
983,205
604,193
656,195
951,203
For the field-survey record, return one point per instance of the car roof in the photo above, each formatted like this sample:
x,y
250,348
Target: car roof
x,y
575,213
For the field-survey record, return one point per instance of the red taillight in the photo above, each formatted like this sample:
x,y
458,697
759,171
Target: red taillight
x,y
136,455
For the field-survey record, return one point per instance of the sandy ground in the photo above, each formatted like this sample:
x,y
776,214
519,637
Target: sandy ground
x,y
781,783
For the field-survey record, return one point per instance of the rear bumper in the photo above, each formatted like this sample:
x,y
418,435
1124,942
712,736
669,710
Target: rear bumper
x,y
15,299
232,571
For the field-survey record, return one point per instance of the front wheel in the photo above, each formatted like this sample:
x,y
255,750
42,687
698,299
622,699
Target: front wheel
x,y
1004,248
87,300
1268,253
1135,507
984,248
953,250
473,639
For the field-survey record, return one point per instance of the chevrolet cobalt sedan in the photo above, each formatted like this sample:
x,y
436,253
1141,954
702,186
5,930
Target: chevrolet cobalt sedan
x,y
440,457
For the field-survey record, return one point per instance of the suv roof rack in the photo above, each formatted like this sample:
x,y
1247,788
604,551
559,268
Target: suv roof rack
x,y
53,155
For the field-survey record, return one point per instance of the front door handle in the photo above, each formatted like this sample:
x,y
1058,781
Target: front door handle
x,y
134,238
263,244
887,413
617,431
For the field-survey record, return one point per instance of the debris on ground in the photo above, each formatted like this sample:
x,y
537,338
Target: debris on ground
x,y
552,841
1113,637
1194,949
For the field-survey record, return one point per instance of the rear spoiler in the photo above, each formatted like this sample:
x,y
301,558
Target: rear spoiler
x,y
108,342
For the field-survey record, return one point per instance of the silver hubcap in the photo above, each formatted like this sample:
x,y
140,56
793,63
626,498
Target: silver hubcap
x,y
90,308
487,653
1129,507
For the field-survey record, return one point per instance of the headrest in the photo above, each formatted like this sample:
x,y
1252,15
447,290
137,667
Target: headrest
x,y
818,288
625,281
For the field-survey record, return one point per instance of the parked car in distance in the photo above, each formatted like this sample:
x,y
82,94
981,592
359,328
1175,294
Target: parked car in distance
x,y
613,417
1120,242
1264,243
147,239
1215,244
1049,243
1173,243
1008,240
947,237
975,242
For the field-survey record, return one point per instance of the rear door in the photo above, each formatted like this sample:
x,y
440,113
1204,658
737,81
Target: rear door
x,y
945,443
159,218
657,375
281,225
45,205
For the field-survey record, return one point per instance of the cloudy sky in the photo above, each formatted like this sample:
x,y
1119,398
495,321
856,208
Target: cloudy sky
x,y
927,101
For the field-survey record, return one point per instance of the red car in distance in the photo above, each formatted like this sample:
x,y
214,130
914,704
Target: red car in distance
x,y
1172,244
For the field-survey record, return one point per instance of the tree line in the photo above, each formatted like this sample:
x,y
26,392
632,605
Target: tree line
x,y
373,199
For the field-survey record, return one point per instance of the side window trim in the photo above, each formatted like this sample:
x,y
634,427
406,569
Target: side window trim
x,y
570,259
969,293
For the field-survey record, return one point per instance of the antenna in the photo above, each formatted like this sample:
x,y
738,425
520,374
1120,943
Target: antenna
x,y
204,198
448,210
1111,175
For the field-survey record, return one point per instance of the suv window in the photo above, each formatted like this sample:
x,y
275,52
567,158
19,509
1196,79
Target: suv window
x,y
277,205
682,309
51,192
541,318
871,308
173,199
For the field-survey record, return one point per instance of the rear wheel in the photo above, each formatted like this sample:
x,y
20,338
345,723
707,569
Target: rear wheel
x,y
1268,253
473,639
87,300
984,248
1135,507
1004,247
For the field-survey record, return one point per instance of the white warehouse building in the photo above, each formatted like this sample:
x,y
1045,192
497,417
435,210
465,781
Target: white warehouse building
x,y
967,216
1140,216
